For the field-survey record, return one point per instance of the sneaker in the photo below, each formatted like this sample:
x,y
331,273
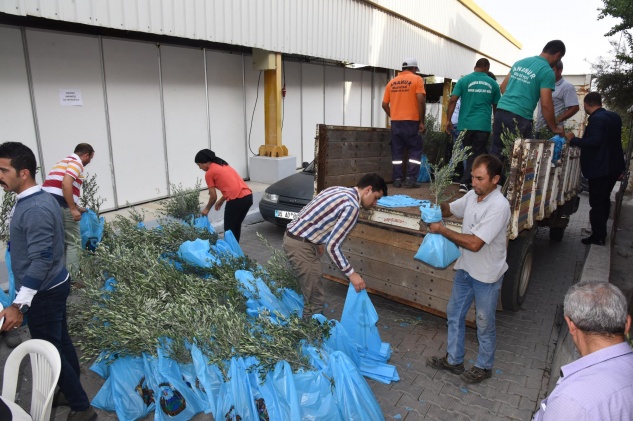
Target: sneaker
x,y
60,400
463,188
476,375
410,184
12,338
441,363
87,415
397,183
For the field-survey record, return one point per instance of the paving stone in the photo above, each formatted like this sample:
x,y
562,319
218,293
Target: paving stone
x,y
490,405
461,394
515,413
527,404
531,394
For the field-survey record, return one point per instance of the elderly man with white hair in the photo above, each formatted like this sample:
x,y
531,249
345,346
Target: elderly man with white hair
x,y
599,385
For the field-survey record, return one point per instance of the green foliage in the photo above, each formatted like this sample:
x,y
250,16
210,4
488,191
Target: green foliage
x,y
89,198
435,141
277,272
153,300
8,201
444,173
183,202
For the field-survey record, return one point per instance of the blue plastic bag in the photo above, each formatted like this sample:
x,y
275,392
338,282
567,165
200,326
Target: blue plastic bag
x,y
423,175
559,142
430,212
292,301
355,398
230,239
6,298
236,395
280,393
91,229
210,378
437,251
202,222
259,297
196,252
318,402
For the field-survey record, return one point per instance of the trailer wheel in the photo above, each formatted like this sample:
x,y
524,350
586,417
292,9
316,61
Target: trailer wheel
x,y
556,234
517,278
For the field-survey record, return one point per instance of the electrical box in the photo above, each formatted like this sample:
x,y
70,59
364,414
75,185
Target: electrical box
x,y
263,60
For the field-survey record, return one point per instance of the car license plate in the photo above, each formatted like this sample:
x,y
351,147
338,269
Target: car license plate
x,y
285,214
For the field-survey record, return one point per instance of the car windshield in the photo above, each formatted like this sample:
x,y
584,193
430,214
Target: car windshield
x,y
309,168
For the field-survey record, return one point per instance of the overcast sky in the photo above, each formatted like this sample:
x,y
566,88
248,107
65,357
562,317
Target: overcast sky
x,y
575,22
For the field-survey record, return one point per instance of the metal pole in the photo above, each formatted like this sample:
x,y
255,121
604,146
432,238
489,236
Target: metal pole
x,y
36,126
107,116
206,95
246,139
162,114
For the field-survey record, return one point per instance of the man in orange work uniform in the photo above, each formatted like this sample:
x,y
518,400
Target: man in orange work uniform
x,y
405,103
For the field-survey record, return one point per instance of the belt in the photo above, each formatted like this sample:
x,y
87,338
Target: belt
x,y
298,238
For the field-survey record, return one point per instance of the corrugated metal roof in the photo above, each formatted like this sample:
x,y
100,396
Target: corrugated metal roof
x,y
445,36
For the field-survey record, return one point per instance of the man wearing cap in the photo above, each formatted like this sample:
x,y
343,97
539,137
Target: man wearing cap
x,y
404,102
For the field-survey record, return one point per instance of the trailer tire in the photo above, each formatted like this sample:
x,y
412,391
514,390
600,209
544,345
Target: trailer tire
x,y
556,234
517,277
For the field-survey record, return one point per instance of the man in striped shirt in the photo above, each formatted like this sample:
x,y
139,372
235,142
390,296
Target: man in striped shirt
x,y
64,183
323,224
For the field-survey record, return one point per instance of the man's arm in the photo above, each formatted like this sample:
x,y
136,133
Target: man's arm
x,y
67,190
592,136
387,108
468,241
452,102
568,113
547,108
344,224
212,199
503,85
421,110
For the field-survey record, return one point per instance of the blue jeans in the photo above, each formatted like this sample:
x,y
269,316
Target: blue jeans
x,y
465,289
47,320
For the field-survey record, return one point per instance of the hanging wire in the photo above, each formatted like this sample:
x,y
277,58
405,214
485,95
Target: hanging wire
x,y
250,130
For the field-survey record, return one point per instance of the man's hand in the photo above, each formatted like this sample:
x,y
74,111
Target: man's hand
x,y
559,131
422,128
357,281
436,227
569,136
12,318
449,128
205,212
76,213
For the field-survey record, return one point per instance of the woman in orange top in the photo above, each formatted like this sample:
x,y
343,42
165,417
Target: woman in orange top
x,y
220,176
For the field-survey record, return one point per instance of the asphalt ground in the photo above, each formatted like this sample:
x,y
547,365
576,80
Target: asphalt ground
x,y
526,339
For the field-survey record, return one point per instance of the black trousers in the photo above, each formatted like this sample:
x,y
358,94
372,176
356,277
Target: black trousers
x,y
478,142
600,201
234,213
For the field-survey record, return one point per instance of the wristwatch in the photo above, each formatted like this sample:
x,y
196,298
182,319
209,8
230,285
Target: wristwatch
x,y
22,307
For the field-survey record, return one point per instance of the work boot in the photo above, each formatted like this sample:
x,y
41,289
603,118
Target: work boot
x,y
87,415
397,183
12,338
476,375
59,399
410,184
441,363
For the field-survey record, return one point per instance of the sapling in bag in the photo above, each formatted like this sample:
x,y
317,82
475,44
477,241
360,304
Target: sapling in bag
x,y
435,250
423,175
91,229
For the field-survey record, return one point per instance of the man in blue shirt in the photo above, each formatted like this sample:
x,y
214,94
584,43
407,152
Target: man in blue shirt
x,y
599,385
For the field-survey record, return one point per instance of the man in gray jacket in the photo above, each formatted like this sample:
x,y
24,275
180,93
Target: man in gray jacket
x,y
37,259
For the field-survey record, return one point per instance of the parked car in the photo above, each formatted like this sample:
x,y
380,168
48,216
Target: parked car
x,y
283,200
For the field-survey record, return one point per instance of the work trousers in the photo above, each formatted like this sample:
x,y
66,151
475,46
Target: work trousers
x,y
72,241
600,201
478,142
405,134
465,290
305,260
47,321
512,122
234,213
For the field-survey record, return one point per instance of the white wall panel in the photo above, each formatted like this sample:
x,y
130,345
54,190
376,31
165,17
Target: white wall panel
x,y
131,71
352,98
367,32
185,105
16,116
313,99
334,95
367,102
64,61
255,122
291,131
226,108
380,82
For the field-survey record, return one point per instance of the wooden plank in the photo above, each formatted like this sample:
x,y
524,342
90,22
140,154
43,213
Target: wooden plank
x,y
343,150
356,166
350,180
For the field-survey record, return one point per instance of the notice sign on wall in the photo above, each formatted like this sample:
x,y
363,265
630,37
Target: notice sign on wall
x,y
70,97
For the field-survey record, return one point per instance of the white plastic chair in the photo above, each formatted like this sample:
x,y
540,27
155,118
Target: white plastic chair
x,y
45,366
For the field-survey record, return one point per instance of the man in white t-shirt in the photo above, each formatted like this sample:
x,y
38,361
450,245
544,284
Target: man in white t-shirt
x,y
480,268
565,100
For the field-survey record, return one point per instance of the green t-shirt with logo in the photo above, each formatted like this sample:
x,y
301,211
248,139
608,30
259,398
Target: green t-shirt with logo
x,y
527,78
478,92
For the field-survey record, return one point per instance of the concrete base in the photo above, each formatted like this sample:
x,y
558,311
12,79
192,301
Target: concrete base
x,y
264,169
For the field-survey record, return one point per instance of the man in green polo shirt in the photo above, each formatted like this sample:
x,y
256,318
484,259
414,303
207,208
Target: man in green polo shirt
x,y
529,80
480,95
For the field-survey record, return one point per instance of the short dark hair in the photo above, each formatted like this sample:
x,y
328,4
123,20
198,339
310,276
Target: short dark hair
x,y
21,156
492,163
593,99
482,62
84,148
491,76
376,182
555,46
